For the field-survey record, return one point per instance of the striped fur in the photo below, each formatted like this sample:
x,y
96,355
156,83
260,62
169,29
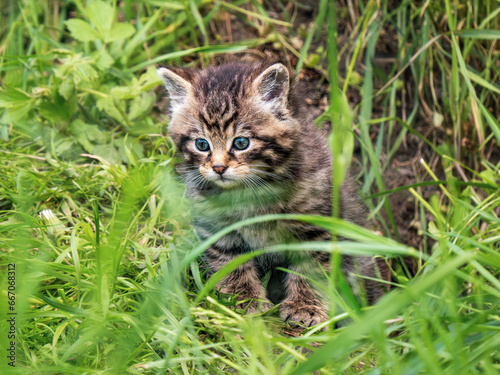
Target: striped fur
x,y
285,169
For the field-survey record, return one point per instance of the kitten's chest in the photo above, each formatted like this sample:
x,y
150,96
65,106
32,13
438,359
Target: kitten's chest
x,y
259,236
218,211
247,238
209,220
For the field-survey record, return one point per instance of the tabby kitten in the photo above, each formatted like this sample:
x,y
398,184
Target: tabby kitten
x,y
246,153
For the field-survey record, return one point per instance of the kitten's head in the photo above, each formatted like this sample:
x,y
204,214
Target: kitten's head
x,y
232,124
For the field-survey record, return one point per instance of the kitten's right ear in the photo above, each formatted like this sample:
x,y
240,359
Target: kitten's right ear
x,y
272,87
177,87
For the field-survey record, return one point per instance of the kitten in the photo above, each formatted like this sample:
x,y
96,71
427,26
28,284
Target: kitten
x,y
246,153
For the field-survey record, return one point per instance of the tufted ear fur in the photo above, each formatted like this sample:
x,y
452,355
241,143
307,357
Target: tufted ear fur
x,y
272,87
177,87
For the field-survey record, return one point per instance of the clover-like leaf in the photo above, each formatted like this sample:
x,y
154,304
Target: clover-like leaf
x,y
120,31
82,31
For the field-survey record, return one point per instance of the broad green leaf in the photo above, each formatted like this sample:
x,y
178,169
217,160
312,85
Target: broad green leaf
x,y
120,31
77,129
107,152
13,96
101,15
18,112
86,134
94,134
141,105
113,107
489,176
64,146
85,72
4,132
67,88
78,66
81,30
104,61
123,92
56,112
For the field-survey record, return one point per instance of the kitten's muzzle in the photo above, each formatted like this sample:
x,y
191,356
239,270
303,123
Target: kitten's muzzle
x,y
219,169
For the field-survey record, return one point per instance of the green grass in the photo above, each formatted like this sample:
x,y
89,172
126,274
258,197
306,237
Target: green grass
x,y
111,282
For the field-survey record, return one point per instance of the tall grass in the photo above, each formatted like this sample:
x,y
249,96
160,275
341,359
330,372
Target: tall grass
x,y
109,281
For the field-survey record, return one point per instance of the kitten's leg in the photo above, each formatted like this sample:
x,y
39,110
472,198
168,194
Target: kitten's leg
x,y
244,281
302,303
368,290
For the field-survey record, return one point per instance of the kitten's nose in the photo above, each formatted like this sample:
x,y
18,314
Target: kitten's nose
x,y
219,169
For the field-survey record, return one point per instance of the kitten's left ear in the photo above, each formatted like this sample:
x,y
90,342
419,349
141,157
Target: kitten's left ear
x,y
272,87
177,87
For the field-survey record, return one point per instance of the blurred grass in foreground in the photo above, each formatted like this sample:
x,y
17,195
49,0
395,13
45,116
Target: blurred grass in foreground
x,y
110,282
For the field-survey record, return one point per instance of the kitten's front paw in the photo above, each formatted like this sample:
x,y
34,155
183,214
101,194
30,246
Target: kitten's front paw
x,y
309,315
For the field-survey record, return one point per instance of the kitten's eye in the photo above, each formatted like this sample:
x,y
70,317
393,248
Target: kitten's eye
x,y
202,145
241,143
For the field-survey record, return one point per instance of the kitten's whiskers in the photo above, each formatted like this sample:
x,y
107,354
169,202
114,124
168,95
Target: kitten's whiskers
x,y
195,178
254,169
262,185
